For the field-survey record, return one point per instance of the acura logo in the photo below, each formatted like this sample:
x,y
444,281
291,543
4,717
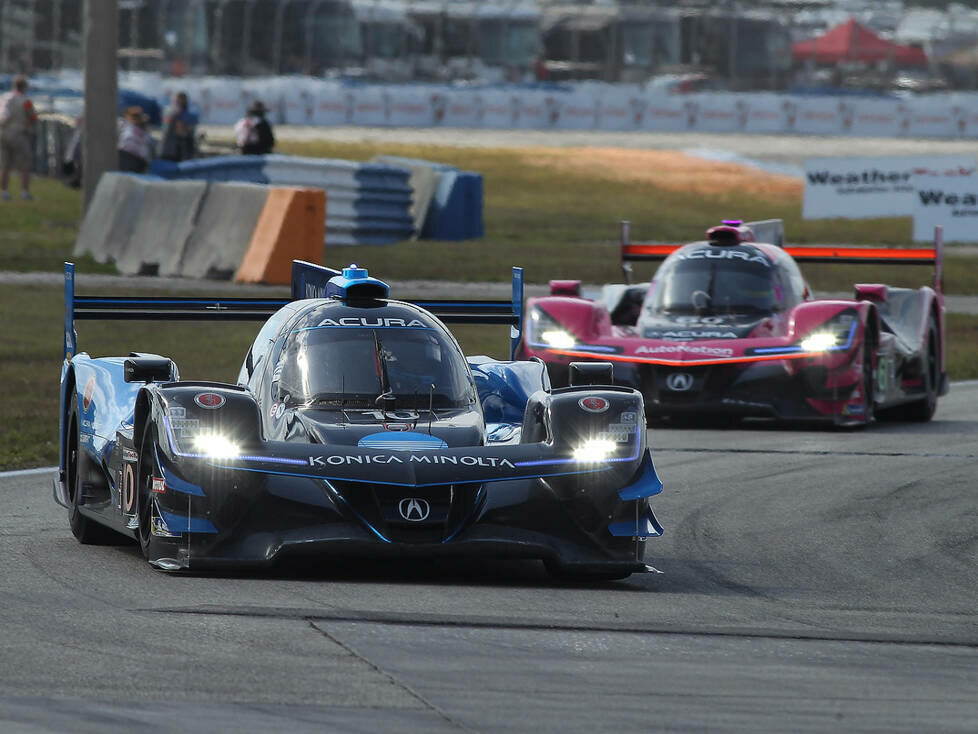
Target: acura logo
x,y
679,381
414,509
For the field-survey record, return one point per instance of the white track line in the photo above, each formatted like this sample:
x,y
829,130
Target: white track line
x,y
28,472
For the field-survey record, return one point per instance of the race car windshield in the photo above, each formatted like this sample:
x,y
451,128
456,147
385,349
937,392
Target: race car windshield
x,y
350,367
715,286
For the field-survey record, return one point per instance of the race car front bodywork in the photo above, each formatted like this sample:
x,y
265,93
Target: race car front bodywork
x,y
199,488
767,376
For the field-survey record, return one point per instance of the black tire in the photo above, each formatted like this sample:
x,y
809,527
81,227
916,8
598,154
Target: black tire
x,y
144,491
869,380
923,410
77,474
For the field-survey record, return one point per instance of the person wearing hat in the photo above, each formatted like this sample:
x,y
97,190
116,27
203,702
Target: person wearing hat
x,y
254,132
135,142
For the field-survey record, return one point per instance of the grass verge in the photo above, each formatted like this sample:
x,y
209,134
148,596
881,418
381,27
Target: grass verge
x,y
29,370
553,211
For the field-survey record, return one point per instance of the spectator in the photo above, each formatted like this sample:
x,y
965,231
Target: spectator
x,y
17,118
178,130
135,142
71,166
254,132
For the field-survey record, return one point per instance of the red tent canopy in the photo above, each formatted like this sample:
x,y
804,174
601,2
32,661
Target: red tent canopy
x,y
854,42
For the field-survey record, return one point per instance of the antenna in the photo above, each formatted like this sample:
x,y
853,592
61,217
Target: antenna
x,y
431,405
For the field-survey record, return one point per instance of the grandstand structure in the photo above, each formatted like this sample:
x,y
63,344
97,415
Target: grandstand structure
x,y
411,40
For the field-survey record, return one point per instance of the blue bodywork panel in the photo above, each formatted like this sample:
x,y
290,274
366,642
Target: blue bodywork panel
x,y
105,400
505,387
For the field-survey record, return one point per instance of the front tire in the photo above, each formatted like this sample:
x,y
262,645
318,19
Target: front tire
x,y
144,491
78,474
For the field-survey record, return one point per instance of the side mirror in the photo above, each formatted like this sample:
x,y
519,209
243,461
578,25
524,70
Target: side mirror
x,y
591,373
148,369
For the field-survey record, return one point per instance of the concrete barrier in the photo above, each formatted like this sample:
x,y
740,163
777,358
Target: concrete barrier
x,y
166,217
111,217
224,228
201,229
291,227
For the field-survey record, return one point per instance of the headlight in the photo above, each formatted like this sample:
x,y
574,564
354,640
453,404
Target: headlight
x,y
837,333
820,341
544,331
594,450
558,338
216,446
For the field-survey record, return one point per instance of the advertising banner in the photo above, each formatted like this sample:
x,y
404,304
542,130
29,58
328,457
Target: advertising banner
x,y
615,110
812,115
332,105
929,117
498,108
297,101
408,107
760,113
371,106
866,188
872,118
717,113
457,108
669,112
536,109
949,200
221,101
574,110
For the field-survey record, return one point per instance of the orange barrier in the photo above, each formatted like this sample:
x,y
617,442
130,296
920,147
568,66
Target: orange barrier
x,y
292,226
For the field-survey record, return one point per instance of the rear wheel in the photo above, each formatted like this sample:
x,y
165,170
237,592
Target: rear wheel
x,y
78,474
923,410
869,381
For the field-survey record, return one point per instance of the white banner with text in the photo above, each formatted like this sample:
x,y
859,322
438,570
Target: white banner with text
x,y
868,188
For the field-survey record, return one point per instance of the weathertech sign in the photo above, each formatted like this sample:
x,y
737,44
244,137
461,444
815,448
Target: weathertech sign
x,y
953,204
867,188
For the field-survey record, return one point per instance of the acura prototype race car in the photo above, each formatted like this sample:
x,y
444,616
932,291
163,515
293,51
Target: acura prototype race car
x,y
729,327
356,427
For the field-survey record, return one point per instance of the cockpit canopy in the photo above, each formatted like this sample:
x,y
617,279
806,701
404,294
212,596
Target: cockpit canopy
x,y
386,356
707,279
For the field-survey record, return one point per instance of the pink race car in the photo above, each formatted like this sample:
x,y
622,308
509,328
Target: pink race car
x,y
729,327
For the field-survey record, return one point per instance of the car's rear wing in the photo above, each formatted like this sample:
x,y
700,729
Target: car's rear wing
x,y
308,281
769,231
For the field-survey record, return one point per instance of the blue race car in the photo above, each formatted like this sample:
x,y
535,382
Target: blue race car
x,y
356,427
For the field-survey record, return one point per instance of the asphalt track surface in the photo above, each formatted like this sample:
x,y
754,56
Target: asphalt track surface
x,y
810,581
